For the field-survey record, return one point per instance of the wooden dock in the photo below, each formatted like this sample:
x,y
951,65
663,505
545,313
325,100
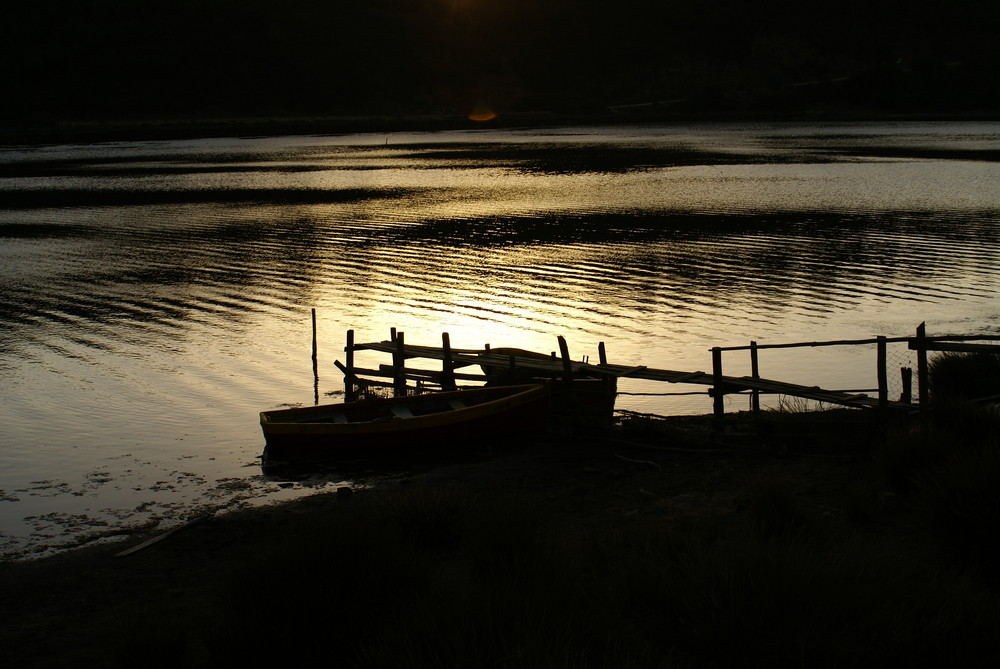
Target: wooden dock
x,y
556,368
455,364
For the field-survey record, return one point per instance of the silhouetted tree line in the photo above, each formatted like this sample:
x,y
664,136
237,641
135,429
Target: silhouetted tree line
x,y
122,58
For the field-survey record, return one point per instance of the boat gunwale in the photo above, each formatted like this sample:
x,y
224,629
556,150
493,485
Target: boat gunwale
x,y
513,397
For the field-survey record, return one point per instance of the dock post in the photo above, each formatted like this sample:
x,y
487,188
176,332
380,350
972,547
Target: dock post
x,y
315,358
350,389
923,389
882,373
906,377
566,362
447,364
565,401
399,367
609,383
755,373
718,394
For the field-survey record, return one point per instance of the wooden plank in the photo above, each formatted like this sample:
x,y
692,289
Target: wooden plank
x,y
807,392
373,382
608,370
751,382
372,372
639,372
684,378
386,371
414,350
347,371
547,365
674,376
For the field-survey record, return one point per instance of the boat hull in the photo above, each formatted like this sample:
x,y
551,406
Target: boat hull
x,y
440,420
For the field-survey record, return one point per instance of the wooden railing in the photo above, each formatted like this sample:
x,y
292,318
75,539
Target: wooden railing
x,y
559,365
920,342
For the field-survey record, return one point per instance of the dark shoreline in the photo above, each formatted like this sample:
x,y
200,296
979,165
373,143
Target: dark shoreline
x,y
91,131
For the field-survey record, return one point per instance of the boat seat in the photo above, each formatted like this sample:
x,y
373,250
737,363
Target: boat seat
x,y
402,411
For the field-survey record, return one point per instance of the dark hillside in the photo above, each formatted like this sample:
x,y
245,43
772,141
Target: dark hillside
x,y
195,58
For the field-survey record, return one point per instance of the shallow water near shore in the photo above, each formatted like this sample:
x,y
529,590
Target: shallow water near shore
x,y
156,295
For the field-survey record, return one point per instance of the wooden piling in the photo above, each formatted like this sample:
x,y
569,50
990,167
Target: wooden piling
x,y
906,377
755,373
398,365
447,364
923,388
881,371
718,394
610,382
566,362
349,351
315,359
350,387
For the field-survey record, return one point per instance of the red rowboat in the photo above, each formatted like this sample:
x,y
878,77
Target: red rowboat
x,y
402,423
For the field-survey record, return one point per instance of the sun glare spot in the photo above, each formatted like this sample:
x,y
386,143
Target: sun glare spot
x,y
481,114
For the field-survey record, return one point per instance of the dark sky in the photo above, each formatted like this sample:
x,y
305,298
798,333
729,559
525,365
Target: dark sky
x,y
188,58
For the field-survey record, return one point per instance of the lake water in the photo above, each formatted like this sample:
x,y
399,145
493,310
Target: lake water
x,y
156,296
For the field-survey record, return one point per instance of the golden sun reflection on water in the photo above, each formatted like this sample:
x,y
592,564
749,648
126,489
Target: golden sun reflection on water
x,y
510,296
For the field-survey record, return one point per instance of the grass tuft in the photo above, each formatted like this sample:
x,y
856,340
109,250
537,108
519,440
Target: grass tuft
x,y
964,376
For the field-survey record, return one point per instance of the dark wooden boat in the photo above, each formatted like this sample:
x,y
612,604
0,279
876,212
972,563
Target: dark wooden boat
x,y
401,423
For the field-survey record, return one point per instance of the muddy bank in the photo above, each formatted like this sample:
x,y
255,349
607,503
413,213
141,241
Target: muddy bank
x,y
76,607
